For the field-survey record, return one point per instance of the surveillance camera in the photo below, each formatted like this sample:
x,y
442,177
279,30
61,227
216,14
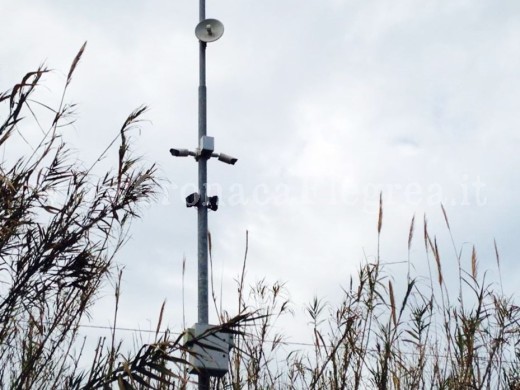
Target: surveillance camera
x,y
212,203
193,200
227,159
179,152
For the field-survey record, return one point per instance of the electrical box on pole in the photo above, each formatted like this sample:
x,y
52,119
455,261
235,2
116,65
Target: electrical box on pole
x,y
208,349
206,146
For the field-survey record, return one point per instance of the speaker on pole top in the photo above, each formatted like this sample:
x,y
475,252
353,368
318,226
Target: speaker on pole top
x,y
209,30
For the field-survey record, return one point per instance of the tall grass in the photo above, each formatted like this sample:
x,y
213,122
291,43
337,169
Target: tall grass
x,y
54,256
430,336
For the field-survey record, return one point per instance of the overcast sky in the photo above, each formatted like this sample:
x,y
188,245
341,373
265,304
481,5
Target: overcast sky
x,y
325,103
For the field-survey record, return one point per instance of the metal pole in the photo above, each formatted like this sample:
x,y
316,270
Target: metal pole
x,y
202,209
202,10
202,212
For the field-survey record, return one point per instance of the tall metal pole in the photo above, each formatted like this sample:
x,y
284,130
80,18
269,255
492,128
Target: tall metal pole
x,y
202,212
207,30
203,176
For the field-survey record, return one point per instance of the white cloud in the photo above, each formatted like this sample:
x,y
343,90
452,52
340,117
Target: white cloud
x,y
348,98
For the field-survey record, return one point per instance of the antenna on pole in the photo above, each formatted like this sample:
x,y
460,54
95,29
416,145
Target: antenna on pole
x,y
209,30
209,350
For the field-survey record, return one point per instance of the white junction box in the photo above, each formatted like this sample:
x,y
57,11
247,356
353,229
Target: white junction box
x,y
206,146
209,351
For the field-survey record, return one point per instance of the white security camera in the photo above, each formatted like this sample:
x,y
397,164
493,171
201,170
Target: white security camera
x,y
227,159
181,152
